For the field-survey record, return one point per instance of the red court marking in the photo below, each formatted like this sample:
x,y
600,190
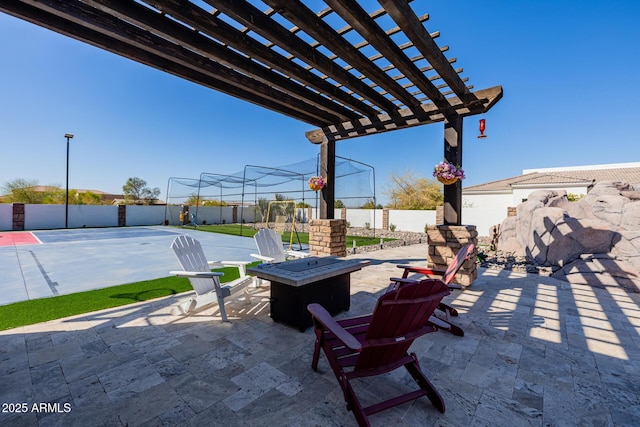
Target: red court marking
x,y
16,238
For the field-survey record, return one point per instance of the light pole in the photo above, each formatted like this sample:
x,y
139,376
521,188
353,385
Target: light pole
x,y
66,200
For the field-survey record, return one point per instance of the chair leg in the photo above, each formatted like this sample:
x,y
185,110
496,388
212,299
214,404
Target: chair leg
x,y
447,326
223,311
316,351
413,368
353,404
247,296
188,306
448,309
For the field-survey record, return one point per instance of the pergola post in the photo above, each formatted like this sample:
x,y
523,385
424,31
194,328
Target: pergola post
x,y
328,171
445,240
453,153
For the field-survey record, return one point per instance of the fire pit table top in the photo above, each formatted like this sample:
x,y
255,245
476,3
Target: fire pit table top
x,y
303,271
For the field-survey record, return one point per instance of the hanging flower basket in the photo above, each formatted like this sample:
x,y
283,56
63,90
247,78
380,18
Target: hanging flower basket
x,y
448,173
446,181
317,183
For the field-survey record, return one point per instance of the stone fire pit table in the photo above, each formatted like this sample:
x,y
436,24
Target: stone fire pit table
x,y
297,283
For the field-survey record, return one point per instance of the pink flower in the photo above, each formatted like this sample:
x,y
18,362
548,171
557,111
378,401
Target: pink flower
x,y
317,183
448,170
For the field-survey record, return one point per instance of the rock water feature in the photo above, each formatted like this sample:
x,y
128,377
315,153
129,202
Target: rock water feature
x,y
594,241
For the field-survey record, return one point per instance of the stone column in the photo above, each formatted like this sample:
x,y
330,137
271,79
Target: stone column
x,y
122,215
385,219
328,237
444,243
18,217
439,215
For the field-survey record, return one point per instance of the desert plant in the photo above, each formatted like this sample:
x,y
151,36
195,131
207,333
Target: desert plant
x,y
392,227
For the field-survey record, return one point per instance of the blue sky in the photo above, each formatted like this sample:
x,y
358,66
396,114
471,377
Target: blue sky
x,y
569,70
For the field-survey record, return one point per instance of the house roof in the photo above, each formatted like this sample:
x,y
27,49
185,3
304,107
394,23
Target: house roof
x,y
557,177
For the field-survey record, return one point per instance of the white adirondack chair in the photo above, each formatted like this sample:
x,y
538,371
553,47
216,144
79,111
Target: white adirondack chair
x,y
270,248
206,283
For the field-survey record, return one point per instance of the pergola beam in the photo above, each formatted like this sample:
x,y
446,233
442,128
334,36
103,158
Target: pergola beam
x,y
180,35
296,12
291,59
217,28
406,19
357,17
485,99
248,15
131,41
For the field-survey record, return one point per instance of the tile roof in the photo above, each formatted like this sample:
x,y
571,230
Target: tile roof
x,y
559,178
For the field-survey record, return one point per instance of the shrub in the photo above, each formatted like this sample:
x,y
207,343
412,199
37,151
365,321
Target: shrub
x,y
392,227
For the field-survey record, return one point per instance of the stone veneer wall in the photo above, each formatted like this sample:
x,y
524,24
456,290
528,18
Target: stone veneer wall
x,y
122,215
439,215
444,243
328,237
18,217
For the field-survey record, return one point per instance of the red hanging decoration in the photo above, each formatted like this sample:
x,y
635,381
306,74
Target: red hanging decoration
x,y
482,128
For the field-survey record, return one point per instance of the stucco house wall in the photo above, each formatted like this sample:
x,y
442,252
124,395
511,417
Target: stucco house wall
x,y
500,195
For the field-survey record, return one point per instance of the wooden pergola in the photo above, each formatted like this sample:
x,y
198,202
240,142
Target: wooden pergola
x,y
344,69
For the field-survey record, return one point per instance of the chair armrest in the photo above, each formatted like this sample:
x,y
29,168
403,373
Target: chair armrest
x,y
396,282
297,254
241,265
263,258
422,270
403,280
227,263
197,274
323,317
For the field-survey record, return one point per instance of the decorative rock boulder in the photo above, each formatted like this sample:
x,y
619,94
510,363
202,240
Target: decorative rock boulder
x,y
572,236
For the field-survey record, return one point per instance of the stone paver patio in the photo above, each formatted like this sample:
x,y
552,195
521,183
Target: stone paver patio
x,y
537,352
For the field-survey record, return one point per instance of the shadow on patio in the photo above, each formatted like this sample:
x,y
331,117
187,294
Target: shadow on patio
x,y
536,351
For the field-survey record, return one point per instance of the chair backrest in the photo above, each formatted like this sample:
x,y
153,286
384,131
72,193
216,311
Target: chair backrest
x,y
456,264
269,244
191,257
400,316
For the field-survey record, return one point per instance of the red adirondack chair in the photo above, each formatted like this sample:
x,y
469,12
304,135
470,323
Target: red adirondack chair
x,y
378,343
447,277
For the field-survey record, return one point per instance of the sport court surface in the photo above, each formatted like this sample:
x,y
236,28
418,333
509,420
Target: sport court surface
x,y
42,264
58,236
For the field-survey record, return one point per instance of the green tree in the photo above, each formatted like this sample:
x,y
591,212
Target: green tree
x,y
58,196
370,204
214,202
262,207
87,198
338,204
135,190
21,190
413,192
194,200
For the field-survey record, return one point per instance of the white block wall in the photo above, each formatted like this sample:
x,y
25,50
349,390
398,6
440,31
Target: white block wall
x,y
6,217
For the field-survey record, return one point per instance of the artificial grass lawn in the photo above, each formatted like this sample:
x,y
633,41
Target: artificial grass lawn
x,y
248,231
45,309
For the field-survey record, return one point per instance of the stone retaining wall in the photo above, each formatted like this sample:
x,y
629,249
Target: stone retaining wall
x,y
444,243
